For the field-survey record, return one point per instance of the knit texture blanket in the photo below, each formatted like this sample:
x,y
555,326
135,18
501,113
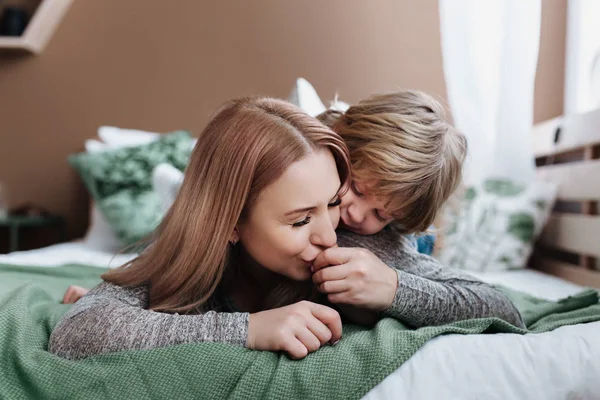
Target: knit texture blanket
x,y
30,308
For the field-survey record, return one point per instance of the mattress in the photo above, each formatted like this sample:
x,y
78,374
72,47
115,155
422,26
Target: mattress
x,y
67,253
562,364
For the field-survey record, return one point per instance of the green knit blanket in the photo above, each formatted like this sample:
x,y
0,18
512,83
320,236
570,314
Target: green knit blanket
x,y
29,309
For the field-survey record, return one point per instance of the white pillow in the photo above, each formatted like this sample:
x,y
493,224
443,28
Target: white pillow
x,y
166,181
497,225
338,105
100,236
305,96
95,146
117,137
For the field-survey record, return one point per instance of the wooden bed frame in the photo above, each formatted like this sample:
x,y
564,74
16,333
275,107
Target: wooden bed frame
x,y
567,151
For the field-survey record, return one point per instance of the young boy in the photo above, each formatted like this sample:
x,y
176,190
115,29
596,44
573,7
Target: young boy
x,y
406,161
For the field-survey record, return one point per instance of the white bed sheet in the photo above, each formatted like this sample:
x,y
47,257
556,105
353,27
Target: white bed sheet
x,y
531,281
66,253
558,365
563,364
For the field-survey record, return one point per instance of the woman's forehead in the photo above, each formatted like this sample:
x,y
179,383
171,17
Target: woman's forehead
x,y
309,182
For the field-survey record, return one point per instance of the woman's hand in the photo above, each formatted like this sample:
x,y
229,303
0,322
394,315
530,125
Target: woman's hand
x,y
297,329
355,276
73,294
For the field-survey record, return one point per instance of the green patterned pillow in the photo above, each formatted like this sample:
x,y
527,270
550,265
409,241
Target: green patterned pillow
x,y
120,181
497,225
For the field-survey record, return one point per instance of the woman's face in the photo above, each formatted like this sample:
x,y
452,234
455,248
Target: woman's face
x,y
295,217
361,211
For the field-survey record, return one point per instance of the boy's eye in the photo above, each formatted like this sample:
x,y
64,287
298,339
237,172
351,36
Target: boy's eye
x,y
335,203
302,223
380,216
355,189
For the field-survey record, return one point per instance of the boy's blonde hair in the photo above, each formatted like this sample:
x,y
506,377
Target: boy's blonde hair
x,y
402,143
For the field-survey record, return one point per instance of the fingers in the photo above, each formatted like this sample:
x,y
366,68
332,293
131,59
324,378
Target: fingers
x,y
339,298
332,256
73,294
334,273
297,329
331,287
69,295
295,348
308,339
330,318
319,330
316,332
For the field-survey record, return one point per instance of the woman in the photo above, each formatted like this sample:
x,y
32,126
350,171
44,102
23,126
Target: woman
x,y
232,260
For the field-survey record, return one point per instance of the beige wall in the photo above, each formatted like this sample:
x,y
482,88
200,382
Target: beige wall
x,y
158,65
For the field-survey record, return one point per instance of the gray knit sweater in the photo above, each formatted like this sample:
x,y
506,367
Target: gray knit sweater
x,y
111,318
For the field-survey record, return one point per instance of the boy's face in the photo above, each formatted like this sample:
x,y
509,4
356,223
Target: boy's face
x,y
362,212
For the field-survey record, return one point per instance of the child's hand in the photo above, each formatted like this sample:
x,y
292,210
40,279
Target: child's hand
x,y
297,329
73,294
355,276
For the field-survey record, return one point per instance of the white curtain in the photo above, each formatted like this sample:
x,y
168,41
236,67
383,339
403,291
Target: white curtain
x,y
582,72
490,50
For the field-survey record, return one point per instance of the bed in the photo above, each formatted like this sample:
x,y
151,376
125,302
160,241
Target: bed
x,y
552,365
562,364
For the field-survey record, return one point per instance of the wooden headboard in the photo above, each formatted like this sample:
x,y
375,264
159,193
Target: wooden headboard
x,y
567,151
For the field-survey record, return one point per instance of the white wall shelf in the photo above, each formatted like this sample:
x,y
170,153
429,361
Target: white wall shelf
x,y
41,27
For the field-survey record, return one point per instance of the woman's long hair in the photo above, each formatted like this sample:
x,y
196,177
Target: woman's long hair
x,y
248,145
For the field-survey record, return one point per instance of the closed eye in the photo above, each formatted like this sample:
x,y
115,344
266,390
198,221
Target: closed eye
x,y
302,223
379,216
355,189
335,203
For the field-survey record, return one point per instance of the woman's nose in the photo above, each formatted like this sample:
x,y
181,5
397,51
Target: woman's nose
x,y
324,235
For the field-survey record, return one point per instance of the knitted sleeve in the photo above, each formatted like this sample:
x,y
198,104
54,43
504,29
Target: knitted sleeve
x,y
112,318
428,293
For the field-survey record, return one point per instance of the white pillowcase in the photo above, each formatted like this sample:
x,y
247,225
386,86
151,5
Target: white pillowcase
x,y
497,225
95,146
166,181
100,236
305,96
117,137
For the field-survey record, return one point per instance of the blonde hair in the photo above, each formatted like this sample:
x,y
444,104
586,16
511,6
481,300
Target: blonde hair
x,y
402,142
247,145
